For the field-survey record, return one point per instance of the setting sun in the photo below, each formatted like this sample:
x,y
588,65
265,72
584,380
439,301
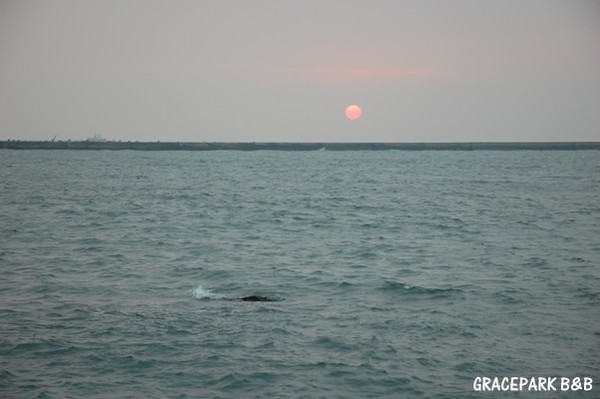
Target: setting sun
x,y
353,112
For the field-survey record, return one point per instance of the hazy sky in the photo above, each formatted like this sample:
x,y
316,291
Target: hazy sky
x,y
283,70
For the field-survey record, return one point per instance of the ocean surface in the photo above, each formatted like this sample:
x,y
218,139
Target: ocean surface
x,y
394,274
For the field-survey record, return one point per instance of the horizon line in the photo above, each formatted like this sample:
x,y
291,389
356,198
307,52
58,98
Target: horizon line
x,y
103,140
299,146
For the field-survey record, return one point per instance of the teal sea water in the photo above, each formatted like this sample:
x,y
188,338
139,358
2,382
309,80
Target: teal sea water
x,y
396,274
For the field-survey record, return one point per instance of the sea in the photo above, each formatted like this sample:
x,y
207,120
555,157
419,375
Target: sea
x,y
390,274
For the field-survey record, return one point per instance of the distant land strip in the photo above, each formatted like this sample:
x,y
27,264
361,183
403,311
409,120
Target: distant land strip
x,y
284,146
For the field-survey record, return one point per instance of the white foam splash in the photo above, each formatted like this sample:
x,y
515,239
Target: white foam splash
x,y
201,293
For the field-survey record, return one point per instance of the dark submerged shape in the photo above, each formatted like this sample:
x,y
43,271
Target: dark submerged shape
x,y
256,298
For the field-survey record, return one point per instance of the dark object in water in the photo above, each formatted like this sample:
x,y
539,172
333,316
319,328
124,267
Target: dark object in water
x,y
256,298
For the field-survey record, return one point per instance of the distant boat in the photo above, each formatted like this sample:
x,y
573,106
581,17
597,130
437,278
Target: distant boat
x,y
96,139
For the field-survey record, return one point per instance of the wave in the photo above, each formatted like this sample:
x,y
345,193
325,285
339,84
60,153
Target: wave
x,y
407,289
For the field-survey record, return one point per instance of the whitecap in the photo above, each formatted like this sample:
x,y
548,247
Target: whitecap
x,y
201,293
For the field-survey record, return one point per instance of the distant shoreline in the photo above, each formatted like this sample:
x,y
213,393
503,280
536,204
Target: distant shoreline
x,y
284,146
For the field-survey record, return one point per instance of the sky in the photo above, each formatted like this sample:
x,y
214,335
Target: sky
x,y
285,70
